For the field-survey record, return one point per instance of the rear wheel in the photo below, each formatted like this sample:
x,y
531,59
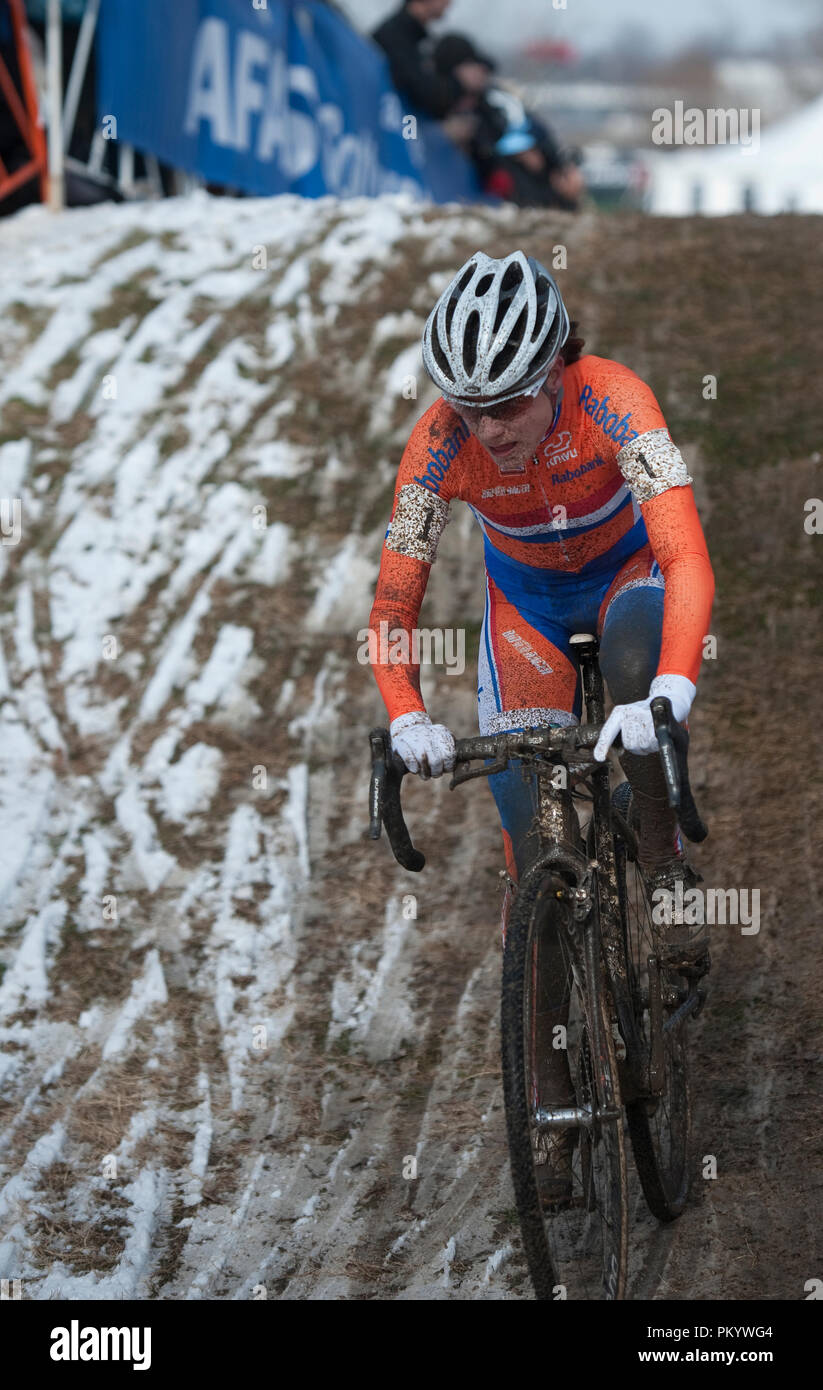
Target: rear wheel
x,y
569,1180
659,1126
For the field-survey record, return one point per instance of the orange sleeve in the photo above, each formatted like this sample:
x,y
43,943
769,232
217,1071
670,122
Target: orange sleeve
x,y
426,482
657,475
619,403
679,547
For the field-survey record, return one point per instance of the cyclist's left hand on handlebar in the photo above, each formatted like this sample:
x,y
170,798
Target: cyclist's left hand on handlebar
x,y
634,722
425,748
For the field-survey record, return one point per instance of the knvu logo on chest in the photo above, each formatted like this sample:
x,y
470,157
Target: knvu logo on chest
x,y
559,450
441,459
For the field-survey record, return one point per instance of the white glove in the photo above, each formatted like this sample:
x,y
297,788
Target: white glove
x,y
424,747
634,722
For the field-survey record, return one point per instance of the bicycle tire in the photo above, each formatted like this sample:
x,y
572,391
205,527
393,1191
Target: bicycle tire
x,y
660,1129
578,1249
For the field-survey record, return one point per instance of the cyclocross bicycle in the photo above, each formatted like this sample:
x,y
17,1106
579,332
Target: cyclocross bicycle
x,y
628,996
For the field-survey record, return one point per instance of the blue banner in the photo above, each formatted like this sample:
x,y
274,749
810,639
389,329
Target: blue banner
x,y
286,98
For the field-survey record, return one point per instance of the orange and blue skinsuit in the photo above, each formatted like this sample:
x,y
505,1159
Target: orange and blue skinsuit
x,y
597,532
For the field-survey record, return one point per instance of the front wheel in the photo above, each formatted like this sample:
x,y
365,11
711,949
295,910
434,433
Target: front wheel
x,y
569,1179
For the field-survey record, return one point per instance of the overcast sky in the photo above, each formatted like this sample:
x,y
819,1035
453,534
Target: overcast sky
x,y
592,24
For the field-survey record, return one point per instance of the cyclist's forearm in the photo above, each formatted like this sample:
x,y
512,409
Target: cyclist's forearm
x,y
687,610
392,622
679,546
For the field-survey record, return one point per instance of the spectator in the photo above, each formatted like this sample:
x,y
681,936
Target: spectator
x,y
405,41
517,156
469,116
525,164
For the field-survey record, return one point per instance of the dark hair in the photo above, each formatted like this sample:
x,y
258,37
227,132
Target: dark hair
x,y
573,345
453,49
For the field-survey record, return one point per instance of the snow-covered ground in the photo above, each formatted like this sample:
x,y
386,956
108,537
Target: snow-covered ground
x,y
242,1054
197,545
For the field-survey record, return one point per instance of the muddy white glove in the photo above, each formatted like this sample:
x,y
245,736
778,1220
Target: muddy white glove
x,y
424,747
634,722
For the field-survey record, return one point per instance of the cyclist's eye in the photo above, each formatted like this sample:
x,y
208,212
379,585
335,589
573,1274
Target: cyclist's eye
x,y
506,410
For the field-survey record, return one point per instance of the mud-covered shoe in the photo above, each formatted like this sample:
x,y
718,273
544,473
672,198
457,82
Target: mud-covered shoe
x,y
672,904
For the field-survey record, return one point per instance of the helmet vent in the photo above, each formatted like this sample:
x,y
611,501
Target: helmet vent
x,y
441,359
507,354
502,310
542,289
484,285
512,279
464,279
470,342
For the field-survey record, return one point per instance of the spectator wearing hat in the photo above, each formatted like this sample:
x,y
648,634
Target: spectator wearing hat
x,y
516,155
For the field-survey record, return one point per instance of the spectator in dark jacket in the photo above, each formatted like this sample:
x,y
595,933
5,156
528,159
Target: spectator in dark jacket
x,y
517,156
405,41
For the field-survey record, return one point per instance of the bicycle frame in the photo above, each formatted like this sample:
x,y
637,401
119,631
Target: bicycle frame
x,y
605,974
559,830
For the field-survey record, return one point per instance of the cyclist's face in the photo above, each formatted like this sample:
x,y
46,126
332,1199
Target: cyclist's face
x,y
512,430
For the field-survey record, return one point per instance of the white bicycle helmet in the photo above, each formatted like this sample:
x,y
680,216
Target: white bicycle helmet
x,y
495,330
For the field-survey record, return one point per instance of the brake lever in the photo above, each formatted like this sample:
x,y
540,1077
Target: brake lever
x,y
673,741
388,771
377,785
661,708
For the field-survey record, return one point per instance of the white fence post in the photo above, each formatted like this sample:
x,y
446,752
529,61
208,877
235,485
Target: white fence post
x,y
79,63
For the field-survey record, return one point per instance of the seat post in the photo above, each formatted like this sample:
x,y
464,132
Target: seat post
x,y
585,647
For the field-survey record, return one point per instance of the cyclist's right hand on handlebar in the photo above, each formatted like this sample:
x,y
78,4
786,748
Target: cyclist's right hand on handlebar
x,y
634,722
425,748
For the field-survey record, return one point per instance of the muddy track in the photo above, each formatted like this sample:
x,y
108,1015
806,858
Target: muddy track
x,y
265,1066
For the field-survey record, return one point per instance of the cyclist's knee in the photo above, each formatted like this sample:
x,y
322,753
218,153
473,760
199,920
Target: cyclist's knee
x,y
630,645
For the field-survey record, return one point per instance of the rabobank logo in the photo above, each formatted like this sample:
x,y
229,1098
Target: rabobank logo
x,y
441,459
617,429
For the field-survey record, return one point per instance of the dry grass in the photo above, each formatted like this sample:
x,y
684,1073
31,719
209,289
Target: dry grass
x,y
100,1119
90,966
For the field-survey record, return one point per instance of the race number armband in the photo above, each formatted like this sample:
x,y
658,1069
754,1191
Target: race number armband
x,y
651,464
418,522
